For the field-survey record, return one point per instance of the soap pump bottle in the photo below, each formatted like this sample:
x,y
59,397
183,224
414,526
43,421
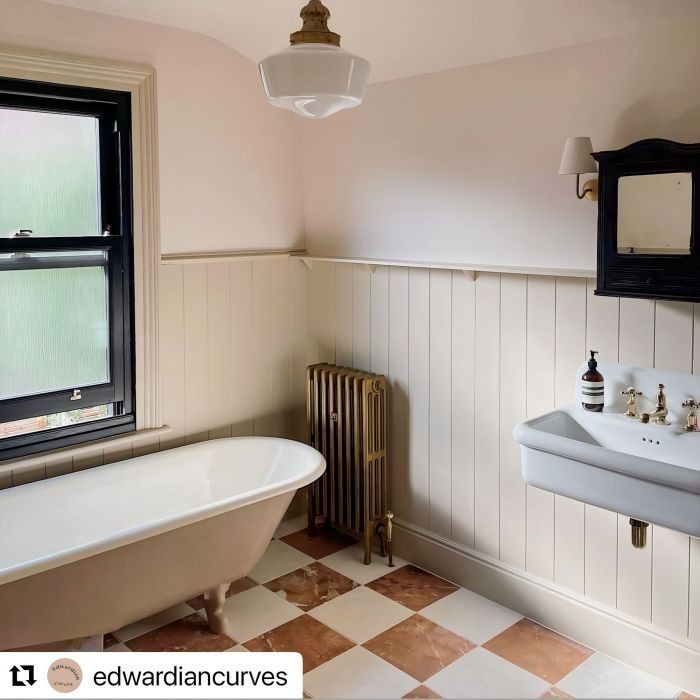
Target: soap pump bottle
x,y
593,387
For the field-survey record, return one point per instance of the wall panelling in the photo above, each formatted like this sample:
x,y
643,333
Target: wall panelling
x,y
469,358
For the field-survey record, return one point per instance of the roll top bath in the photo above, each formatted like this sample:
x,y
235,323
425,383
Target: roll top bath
x,y
105,547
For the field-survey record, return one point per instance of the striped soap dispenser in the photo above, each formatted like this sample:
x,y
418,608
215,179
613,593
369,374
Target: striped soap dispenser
x,y
593,386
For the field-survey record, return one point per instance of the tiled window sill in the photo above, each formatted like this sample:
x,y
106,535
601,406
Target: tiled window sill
x,y
27,469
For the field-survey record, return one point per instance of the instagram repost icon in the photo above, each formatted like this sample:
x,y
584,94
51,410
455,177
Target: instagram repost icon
x,y
65,675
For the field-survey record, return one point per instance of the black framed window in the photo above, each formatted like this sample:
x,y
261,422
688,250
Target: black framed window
x,y
66,266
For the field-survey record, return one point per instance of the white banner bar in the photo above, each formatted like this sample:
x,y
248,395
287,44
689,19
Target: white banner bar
x,y
156,675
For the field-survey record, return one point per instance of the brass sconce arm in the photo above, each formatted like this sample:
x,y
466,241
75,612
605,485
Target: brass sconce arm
x,y
590,188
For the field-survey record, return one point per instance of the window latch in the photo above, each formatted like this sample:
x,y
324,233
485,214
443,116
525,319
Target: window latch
x,y
77,395
22,233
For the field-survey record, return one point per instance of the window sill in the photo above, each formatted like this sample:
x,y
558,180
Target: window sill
x,y
22,464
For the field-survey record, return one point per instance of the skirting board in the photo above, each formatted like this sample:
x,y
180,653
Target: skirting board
x,y
606,630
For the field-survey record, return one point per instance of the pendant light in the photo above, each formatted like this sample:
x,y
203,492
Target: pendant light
x,y
314,77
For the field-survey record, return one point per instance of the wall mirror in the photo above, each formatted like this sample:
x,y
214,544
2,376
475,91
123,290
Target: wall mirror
x,y
654,214
648,206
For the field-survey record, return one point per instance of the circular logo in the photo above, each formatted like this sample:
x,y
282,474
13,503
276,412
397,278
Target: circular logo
x,y
65,675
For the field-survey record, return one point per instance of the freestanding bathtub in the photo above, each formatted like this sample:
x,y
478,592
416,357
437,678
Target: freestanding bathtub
x,y
89,552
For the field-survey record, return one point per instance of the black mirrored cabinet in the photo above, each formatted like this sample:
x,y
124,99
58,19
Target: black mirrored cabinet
x,y
647,218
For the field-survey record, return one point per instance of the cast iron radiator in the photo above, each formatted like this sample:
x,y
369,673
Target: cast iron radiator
x,y
346,420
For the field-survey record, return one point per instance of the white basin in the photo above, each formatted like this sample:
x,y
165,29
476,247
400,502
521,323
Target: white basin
x,y
645,471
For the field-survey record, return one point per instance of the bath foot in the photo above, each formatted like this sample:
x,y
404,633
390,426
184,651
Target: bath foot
x,y
214,606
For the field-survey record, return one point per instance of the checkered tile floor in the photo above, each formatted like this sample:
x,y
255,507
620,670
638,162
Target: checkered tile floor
x,y
376,632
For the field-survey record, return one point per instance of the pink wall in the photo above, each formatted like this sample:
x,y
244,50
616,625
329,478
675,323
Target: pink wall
x,y
456,166
461,165
228,162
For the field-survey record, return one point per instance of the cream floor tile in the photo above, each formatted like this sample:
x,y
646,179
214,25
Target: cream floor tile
x,y
91,644
279,559
358,673
238,647
153,622
255,611
287,527
481,674
471,616
118,647
601,676
350,563
360,614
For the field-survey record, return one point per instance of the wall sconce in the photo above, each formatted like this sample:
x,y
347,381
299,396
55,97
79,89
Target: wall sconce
x,y
577,160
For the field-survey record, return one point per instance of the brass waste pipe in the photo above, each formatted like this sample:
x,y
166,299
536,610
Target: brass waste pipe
x,y
639,533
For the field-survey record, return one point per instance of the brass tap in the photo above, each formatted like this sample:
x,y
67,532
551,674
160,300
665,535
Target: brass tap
x,y
691,424
631,395
660,413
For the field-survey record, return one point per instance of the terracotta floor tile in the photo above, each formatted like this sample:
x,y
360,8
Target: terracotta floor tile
x,y
412,587
324,543
419,647
152,622
554,692
421,692
109,640
538,650
190,633
686,696
311,586
243,584
313,640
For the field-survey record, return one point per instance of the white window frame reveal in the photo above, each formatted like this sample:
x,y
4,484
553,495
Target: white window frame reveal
x,y
140,82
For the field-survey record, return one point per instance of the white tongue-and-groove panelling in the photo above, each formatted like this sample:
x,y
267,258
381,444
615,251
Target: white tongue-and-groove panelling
x,y
466,360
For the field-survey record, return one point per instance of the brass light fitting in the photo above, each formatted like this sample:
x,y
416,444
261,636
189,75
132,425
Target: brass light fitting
x,y
313,76
577,160
590,189
315,28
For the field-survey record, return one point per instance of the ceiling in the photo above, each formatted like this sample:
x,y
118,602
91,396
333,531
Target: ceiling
x,y
409,37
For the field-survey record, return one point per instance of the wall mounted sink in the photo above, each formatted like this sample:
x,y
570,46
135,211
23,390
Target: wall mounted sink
x,y
645,471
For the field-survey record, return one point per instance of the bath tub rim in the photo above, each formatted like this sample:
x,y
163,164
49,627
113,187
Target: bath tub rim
x,y
122,538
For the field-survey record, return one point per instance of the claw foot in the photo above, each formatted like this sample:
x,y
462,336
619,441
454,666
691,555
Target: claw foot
x,y
214,606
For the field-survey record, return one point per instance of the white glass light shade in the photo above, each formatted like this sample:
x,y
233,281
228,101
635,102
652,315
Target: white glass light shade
x,y
314,80
577,158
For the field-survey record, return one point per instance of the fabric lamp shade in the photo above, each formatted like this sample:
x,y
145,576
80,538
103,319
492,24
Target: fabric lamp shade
x,y
577,158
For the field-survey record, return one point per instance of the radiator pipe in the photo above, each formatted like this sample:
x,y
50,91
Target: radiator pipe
x,y
639,533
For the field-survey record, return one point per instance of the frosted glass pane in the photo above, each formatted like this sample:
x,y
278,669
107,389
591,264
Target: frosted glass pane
x,y
48,174
53,330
